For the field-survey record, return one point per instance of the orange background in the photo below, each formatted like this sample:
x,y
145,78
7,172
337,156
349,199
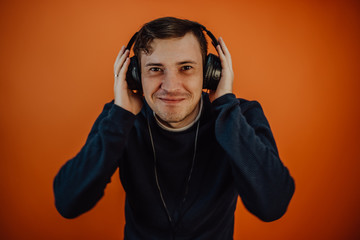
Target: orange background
x,y
299,58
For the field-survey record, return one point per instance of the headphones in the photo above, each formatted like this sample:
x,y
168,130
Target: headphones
x,y
212,67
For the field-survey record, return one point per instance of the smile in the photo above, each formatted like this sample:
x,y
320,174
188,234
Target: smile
x,y
171,100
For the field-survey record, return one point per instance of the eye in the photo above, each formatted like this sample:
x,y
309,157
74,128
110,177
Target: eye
x,y
186,68
155,69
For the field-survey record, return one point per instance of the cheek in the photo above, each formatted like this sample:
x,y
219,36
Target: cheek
x,y
195,83
150,86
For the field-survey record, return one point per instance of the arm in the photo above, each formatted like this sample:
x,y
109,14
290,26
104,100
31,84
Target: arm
x,y
263,182
80,183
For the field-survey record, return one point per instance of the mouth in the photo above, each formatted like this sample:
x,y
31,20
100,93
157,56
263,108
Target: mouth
x,y
171,100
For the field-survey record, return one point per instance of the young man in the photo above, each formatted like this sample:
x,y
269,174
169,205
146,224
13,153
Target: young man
x,y
184,156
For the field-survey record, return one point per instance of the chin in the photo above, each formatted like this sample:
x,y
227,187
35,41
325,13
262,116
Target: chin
x,y
171,117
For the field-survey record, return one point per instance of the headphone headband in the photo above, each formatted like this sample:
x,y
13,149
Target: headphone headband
x,y
212,37
132,40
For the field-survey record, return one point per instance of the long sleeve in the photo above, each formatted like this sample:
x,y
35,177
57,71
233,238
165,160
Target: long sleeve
x,y
263,182
80,183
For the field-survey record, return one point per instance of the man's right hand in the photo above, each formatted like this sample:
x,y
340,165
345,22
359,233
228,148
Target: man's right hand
x,y
124,97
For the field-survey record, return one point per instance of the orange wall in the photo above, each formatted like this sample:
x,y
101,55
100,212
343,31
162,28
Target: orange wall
x,y
299,58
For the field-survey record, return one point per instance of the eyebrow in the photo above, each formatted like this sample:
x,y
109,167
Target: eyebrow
x,y
179,63
153,64
186,62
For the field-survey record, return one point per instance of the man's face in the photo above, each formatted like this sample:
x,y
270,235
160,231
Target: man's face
x,y
172,79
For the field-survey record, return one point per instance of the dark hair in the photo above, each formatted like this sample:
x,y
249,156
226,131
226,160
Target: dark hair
x,y
168,27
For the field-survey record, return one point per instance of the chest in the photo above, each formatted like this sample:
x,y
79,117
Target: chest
x,y
177,156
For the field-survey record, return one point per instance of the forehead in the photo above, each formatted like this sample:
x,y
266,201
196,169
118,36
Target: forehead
x,y
173,50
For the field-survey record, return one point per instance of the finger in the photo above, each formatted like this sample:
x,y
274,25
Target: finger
x,y
225,50
223,46
120,62
120,58
222,57
124,68
120,78
121,52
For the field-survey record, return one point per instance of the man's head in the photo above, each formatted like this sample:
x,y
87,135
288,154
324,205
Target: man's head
x,y
171,55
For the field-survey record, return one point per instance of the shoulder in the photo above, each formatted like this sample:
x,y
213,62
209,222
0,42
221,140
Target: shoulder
x,y
229,105
248,105
230,101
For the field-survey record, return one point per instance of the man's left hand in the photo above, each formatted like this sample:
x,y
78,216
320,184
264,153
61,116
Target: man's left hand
x,y
227,74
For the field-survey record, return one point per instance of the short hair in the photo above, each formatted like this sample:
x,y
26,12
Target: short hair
x,y
165,28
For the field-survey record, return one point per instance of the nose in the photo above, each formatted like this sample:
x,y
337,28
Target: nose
x,y
171,81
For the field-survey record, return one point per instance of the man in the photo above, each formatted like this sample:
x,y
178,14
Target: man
x,y
184,156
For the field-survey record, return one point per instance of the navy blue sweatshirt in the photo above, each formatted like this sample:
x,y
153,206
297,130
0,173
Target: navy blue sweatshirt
x,y
236,155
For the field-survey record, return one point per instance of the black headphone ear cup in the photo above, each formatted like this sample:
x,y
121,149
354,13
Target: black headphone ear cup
x,y
212,72
133,75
